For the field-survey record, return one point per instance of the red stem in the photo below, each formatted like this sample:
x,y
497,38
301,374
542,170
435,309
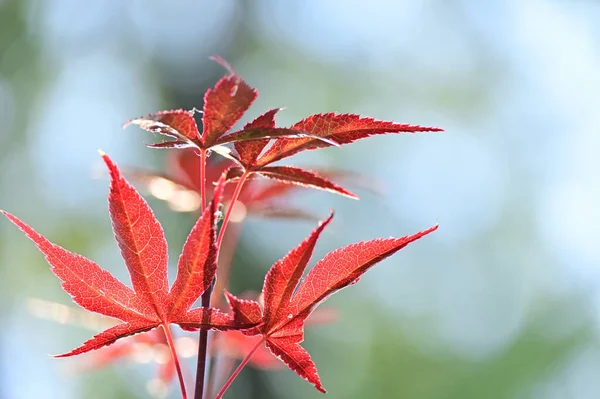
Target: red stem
x,y
239,369
205,299
203,178
225,259
175,359
234,197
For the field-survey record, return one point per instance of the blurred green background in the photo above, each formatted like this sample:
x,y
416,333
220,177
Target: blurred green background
x,y
501,302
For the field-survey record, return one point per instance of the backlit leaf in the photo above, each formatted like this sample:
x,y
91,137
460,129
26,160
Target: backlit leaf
x,y
341,128
289,302
150,304
224,106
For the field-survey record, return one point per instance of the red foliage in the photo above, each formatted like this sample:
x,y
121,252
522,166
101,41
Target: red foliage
x,y
301,177
288,303
340,128
248,151
224,106
150,304
230,99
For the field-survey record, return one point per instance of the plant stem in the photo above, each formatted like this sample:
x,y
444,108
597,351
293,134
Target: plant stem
x,y
226,252
202,350
239,369
234,197
205,299
171,344
203,179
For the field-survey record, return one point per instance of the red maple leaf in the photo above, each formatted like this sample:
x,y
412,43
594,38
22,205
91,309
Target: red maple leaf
x,y
288,303
224,106
248,153
322,130
150,303
319,131
338,128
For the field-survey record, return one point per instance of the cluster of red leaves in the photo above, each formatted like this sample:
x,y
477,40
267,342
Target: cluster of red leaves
x,y
279,322
225,105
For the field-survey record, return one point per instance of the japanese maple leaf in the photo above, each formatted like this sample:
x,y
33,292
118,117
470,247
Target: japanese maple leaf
x,y
224,106
150,303
331,128
249,151
316,131
326,129
288,303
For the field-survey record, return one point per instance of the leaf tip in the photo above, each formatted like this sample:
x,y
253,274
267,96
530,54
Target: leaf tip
x,y
429,230
112,167
430,129
353,196
229,297
8,215
13,219
323,223
106,159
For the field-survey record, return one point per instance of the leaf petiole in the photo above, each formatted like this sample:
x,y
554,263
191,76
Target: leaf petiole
x,y
234,197
203,178
171,344
239,369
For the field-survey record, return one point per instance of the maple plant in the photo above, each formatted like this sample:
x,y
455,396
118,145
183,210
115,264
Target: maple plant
x,y
254,327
